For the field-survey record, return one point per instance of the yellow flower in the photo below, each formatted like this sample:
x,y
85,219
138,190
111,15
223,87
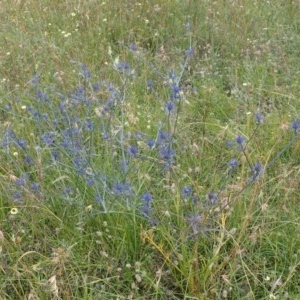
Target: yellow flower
x,y
14,211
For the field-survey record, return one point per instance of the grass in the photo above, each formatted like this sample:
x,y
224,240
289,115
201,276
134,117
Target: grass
x,y
135,168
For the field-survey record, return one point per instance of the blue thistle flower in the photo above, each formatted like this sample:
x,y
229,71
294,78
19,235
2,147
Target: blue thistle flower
x,y
133,47
20,181
257,171
48,138
240,140
296,126
85,72
213,198
167,154
147,197
170,106
122,189
228,143
189,52
233,163
96,87
259,118
133,151
149,84
175,94
150,143
146,206
186,192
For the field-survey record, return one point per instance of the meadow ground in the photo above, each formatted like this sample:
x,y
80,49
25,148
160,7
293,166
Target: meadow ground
x,y
149,150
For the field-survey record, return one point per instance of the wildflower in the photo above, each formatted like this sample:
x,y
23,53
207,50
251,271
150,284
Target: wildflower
x,y
28,160
259,118
257,171
150,143
233,163
188,26
20,181
163,135
194,221
96,87
21,143
90,181
55,155
149,84
68,190
133,151
228,143
186,192
189,52
175,92
17,196
89,125
169,106
35,187
240,140
121,189
7,107
133,47
138,135
85,72
146,207
213,198
172,75
167,153
147,197
122,66
35,79
296,126
98,198
14,211
104,136
47,138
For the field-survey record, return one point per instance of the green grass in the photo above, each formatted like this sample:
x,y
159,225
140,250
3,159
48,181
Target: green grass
x,y
58,240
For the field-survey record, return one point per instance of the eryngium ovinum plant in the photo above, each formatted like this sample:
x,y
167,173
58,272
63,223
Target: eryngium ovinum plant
x,y
121,145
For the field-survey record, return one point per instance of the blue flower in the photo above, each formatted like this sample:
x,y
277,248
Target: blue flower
x,y
85,72
147,197
35,79
189,52
186,192
35,187
123,65
20,181
233,163
257,170
163,135
213,198
89,125
96,87
150,143
296,126
133,151
122,189
149,84
175,94
228,143
195,221
167,153
172,75
146,207
169,106
259,118
133,47
48,138
240,140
